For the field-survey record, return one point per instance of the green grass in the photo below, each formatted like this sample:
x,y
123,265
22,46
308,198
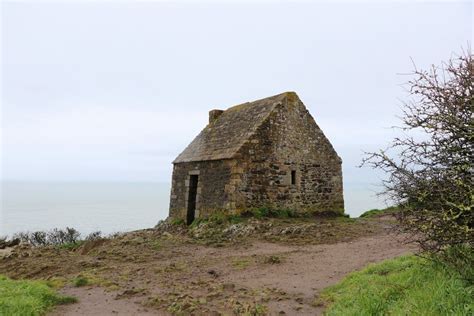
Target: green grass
x,y
71,245
222,217
378,212
80,281
407,285
177,221
240,263
28,297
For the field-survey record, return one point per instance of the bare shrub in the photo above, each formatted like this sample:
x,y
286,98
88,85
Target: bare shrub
x,y
56,237
430,169
38,238
94,236
71,235
53,237
23,236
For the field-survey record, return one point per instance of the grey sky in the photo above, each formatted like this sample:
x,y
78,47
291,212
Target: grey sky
x,y
114,91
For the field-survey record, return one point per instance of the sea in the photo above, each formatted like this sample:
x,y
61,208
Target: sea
x,y
111,207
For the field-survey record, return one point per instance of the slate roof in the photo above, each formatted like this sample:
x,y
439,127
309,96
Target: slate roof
x,y
223,138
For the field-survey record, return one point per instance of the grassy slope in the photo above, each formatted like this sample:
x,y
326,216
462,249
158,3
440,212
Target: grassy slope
x,y
28,297
407,285
380,212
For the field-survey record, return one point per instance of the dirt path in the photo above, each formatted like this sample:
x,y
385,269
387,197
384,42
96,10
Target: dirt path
x,y
286,277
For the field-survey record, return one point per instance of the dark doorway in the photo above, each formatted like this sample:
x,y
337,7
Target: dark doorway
x,y
192,192
293,177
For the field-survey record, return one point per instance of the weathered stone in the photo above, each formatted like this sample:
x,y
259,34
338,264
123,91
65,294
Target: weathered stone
x,y
268,153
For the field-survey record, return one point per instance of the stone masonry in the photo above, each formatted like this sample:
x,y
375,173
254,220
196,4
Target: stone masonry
x,y
266,153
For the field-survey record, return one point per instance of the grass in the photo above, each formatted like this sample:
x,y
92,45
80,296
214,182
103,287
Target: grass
x,y
80,281
28,297
272,259
240,263
407,285
156,245
177,221
71,245
263,212
377,212
220,218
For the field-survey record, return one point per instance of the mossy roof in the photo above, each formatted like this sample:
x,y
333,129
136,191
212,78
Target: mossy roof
x,y
222,138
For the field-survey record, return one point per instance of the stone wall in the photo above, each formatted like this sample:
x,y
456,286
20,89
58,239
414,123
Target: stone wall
x,y
290,140
260,173
214,177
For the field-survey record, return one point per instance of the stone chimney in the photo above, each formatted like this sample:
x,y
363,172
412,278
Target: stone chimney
x,y
214,114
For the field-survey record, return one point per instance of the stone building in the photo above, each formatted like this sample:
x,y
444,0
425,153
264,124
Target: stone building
x,y
265,153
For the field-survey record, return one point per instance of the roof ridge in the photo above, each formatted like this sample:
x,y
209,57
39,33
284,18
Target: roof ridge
x,y
284,94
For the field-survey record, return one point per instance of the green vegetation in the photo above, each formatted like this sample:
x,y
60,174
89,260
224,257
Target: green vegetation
x,y
262,212
216,218
259,213
241,263
155,245
254,309
177,221
379,212
28,297
407,285
80,281
273,259
71,245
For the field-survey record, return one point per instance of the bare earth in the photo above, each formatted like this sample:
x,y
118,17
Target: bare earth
x,y
174,275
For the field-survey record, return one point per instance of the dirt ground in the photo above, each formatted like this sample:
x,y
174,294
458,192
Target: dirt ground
x,y
272,267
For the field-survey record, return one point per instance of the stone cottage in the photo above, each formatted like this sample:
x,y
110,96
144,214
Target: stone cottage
x,y
268,152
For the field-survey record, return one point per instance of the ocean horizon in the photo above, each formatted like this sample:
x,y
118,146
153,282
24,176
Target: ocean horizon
x,y
111,206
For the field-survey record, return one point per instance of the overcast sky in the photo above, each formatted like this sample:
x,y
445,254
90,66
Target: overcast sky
x,y
115,91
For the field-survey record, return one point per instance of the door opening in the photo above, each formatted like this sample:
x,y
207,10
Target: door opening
x,y
192,193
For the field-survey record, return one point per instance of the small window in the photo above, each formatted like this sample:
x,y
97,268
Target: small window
x,y
293,177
